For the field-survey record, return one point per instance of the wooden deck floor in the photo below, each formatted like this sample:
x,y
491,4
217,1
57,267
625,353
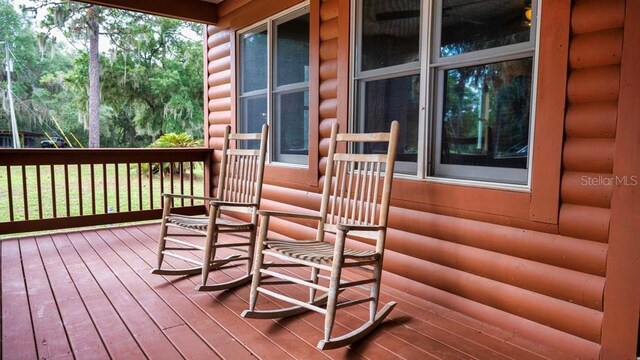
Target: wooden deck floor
x,y
89,295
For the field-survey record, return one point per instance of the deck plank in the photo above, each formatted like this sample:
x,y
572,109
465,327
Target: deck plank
x,y
50,334
202,322
146,333
83,336
118,340
171,324
17,330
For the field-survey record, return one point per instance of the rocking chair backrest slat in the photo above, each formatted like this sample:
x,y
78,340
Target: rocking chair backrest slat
x,y
241,170
358,192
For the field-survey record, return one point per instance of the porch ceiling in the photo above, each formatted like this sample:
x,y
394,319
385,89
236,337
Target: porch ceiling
x,y
202,11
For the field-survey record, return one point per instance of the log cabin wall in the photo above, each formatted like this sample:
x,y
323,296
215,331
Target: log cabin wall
x,y
494,259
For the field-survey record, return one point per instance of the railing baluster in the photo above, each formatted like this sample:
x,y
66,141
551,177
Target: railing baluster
x,y
129,186
53,191
171,180
117,175
39,190
25,198
139,186
104,188
182,183
93,189
191,179
66,188
151,185
10,193
161,182
80,201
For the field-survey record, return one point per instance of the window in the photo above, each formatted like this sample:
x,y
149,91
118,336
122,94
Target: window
x,y
472,76
274,84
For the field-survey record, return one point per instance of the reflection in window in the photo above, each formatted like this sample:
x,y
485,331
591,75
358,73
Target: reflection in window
x,y
390,33
394,99
486,114
477,25
291,90
254,61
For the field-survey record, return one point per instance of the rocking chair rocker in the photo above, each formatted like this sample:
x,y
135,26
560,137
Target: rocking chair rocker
x,y
355,202
239,191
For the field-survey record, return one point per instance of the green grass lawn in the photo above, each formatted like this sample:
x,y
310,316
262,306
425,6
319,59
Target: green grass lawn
x,y
75,182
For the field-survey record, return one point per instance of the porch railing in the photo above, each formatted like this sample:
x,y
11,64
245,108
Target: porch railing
x,y
42,189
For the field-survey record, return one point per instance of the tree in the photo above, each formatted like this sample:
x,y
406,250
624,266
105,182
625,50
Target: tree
x,y
80,21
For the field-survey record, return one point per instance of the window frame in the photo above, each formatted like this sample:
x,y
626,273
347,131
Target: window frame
x,y
270,24
431,67
361,77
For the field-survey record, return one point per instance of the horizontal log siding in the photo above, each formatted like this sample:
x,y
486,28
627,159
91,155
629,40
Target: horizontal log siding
x,y
546,285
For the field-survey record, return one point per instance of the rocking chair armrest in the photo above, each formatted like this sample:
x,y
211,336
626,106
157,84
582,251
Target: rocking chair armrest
x,y
353,227
289,214
180,196
231,203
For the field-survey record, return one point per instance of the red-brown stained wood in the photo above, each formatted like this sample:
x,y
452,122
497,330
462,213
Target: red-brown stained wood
x,y
118,340
608,43
219,51
599,152
588,189
220,104
218,38
220,77
584,222
170,322
594,84
591,120
220,91
220,64
49,332
621,317
597,15
17,330
147,333
541,339
83,336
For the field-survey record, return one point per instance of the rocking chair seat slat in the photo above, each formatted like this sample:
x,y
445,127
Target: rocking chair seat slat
x,y
200,222
319,252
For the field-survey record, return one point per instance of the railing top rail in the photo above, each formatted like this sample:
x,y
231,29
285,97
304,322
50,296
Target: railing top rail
x,y
15,157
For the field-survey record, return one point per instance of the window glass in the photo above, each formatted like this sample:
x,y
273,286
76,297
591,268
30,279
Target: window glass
x,y
486,114
253,52
293,51
293,120
477,25
390,33
274,84
393,99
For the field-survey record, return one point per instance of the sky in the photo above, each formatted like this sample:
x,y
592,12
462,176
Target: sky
x,y
104,40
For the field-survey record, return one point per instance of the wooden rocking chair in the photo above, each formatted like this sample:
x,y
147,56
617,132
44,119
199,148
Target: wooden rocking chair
x,y
239,191
355,202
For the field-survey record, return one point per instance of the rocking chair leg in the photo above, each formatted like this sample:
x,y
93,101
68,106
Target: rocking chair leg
x,y
209,250
314,279
163,230
334,285
375,291
257,263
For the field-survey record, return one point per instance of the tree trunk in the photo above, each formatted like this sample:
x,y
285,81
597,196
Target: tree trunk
x,y
94,77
